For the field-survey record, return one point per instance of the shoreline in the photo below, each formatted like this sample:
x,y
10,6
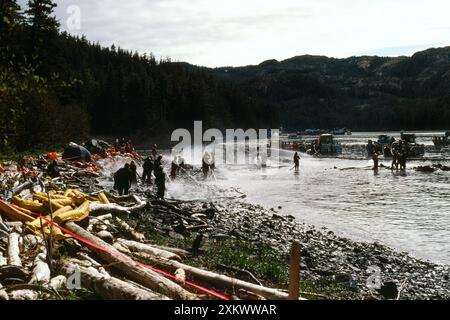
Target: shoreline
x,y
325,256
242,238
357,235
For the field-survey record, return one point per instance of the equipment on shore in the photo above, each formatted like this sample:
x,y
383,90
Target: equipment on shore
x,y
325,145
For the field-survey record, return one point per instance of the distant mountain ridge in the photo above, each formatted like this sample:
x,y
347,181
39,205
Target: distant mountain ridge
x,y
367,92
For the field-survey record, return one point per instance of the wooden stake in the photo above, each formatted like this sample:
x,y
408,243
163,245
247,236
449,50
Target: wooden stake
x,y
294,272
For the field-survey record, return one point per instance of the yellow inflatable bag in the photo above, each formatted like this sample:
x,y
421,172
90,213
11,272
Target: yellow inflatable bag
x,y
12,214
35,225
32,205
73,215
102,198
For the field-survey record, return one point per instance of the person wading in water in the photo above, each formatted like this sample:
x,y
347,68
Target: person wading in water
x,y
296,162
147,170
122,180
160,180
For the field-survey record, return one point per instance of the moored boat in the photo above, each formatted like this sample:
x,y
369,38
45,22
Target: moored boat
x,y
325,145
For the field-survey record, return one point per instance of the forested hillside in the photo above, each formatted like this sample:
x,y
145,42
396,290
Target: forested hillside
x,y
55,87
362,93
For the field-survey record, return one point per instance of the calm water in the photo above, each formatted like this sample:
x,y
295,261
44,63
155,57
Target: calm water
x,y
409,211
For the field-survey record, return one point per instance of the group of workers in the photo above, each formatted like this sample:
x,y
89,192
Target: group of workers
x,y
397,149
126,176
124,146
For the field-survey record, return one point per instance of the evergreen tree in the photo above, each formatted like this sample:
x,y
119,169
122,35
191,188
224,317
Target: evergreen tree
x,y
43,31
41,18
10,15
10,19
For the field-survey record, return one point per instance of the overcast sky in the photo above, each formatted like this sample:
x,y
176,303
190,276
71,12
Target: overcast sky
x,y
242,32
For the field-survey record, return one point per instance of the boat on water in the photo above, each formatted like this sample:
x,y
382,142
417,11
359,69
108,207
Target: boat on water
x,y
414,149
317,132
325,145
341,132
294,142
442,142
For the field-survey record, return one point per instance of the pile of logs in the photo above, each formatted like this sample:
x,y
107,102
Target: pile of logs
x,y
82,240
104,254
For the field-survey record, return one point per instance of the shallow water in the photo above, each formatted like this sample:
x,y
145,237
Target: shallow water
x,y
409,211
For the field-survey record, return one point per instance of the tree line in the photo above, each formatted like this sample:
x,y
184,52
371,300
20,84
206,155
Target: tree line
x,y
55,87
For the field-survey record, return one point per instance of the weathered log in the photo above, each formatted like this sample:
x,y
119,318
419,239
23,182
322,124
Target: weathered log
x,y
3,260
41,270
3,294
106,236
113,208
125,228
132,270
221,280
182,253
13,250
14,224
122,248
95,264
20,188
112,288
3,234
58,283
140,247
23,295
4,227
104,217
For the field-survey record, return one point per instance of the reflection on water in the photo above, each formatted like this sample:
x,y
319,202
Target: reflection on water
x,y
409,211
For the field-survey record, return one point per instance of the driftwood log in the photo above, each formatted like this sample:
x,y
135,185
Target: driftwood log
x,y
129,231
132,270
110,287
41,270
220,280
14,250
182,253
57,283
3,294
140,247
3,260
114,208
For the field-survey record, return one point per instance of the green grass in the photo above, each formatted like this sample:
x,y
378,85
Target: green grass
x,y
270,267
263,262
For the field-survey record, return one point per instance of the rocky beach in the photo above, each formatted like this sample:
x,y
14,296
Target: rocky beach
x,y
361,270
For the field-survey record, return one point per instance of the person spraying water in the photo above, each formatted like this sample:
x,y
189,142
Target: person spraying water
x,y
296,162
208,165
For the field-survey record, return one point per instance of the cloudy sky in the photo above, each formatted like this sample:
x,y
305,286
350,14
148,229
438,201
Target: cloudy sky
x,y
242,32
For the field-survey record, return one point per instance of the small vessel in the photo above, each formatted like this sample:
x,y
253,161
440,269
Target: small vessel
x,y
325,145
384,139
414,149
441,142
341,132
294,144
